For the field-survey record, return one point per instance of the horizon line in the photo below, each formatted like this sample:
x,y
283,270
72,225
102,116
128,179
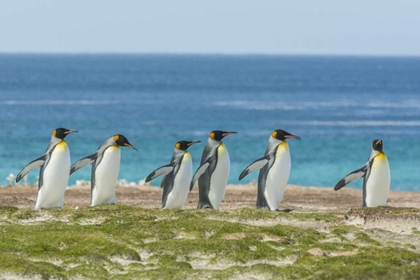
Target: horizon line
x,y
211,54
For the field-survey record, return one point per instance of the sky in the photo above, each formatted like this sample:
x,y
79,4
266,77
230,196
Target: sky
x,y
356,27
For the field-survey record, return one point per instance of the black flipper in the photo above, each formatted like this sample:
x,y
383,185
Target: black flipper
x,y
356,174
31,166
200,171
163,170
258,164
83,162
203,176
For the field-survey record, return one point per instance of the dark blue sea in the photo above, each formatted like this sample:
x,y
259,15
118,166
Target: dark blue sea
x,y
338,105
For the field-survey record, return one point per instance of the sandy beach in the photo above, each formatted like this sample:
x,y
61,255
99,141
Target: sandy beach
x,y
298,198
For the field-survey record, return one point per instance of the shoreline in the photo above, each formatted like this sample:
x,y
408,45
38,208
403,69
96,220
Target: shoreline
x,y
298,198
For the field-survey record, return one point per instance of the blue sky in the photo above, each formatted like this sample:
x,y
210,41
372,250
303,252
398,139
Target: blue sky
x,y
370,27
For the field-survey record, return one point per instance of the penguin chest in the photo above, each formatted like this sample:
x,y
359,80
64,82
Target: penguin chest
x,y
378,182
219,177
106,176
181,185
55,176
277,176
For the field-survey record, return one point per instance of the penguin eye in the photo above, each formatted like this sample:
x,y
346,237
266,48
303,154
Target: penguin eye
x,y
274,134
116,137
178,146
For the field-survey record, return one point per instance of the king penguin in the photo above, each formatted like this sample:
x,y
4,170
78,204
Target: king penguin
x,y
54,173
178,174
376,177
275,169
105,168
212,175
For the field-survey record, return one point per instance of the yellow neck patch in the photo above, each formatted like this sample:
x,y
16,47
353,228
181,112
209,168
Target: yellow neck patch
x,y
221,150
381,155
62,144
283,145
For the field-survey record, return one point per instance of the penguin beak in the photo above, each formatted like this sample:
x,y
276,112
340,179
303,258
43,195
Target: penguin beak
x,y
378,142
192,143
70,131
292,136
130,146
228,132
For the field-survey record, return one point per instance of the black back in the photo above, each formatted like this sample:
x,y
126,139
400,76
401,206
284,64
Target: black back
x,y
205,179
262,177
167,183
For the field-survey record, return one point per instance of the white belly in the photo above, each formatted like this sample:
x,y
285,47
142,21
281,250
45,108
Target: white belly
x,y
177,197
219,177
379,181
55,179
106,177
277,177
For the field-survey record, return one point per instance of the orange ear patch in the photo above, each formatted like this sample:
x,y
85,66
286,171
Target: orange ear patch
x,y
55,133
274,134
116,137
178,146
212,135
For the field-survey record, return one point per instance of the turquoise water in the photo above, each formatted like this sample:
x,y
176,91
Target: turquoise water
x,y
338,105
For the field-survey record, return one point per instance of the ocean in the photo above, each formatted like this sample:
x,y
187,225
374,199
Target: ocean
x,y
337,104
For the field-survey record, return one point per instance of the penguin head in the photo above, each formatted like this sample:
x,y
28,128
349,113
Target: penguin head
x,y
218,135
377,145
282,135
61,133
183,145
120,140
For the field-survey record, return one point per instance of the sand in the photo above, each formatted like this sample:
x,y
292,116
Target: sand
x,y
297,198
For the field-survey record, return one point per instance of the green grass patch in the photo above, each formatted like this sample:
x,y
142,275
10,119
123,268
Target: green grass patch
x,y
125,242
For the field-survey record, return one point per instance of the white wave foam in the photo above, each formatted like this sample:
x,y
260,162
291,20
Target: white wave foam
x,y
68,102
120,183
200,133
262,106
287,106
356,123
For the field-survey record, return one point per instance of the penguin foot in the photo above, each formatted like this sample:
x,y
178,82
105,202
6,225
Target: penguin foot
x,y
286,210
262,207
202,205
